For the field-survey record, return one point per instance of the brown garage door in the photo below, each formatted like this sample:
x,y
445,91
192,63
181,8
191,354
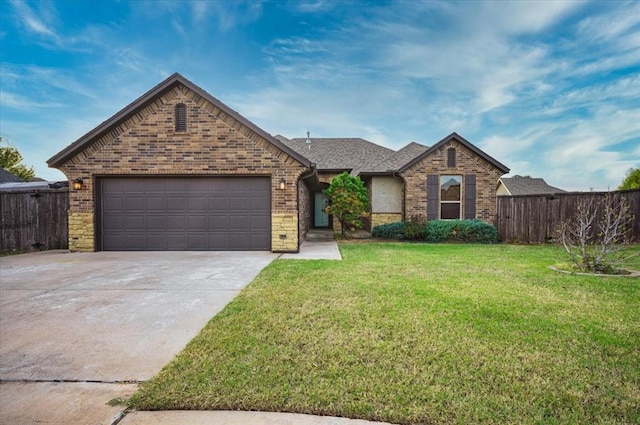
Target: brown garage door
x,y
185,213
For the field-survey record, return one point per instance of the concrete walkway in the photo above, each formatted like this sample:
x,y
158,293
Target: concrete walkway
x,y
315,250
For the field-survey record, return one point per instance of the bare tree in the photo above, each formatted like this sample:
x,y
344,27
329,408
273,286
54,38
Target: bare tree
x,y
596,238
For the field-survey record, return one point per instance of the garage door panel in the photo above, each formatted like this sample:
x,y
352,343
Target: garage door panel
x,y
197,223
155,203
173,213
238,203
176,203
134,203
155,223
218,203
176,222
197,203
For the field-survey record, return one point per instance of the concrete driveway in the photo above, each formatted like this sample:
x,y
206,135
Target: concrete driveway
x,y
78,330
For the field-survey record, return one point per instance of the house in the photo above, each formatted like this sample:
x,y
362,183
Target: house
x,y
525,185
179,170
8,177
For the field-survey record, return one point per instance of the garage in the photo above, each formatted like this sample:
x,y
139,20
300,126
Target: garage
x,y
184,213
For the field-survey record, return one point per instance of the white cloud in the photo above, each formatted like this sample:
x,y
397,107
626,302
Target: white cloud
x,y
32,22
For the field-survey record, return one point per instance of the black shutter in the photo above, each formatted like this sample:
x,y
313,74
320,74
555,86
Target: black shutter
x,y
432,196
469,196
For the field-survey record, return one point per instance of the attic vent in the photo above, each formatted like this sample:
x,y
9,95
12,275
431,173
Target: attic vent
x,y
181,117
451,157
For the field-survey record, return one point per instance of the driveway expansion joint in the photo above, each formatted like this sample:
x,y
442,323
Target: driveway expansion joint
x,y
69,381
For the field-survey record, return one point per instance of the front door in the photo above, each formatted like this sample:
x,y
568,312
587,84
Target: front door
x,y
320,217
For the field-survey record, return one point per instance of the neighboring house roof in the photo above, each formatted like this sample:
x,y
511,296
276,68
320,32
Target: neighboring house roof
x,y
28,186
352,154
455,136
150,97
519,185
7,177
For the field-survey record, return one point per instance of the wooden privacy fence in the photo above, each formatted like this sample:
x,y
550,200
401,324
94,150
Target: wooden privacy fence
x,y
34,220
536,218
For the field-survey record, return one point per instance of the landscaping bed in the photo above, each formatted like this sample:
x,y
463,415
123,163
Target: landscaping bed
x,y
418,334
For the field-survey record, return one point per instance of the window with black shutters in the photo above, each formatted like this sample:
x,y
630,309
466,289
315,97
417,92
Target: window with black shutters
x,y
181,117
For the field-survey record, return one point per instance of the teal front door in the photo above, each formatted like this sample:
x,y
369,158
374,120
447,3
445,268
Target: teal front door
x,y
320,217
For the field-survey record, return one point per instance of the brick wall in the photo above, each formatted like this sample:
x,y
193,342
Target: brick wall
x,y
214,144
467,162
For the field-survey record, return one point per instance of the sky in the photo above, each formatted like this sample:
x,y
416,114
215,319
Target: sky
x,y
549,88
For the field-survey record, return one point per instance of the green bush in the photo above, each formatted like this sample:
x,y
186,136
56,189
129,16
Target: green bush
x,y
415,228
389,231
438,230
474,231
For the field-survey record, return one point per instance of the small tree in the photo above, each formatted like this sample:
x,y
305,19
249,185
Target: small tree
x,y
348,201
596,237
11,160
631,180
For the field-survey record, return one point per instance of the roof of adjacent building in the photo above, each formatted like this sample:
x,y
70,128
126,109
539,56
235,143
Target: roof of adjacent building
x,y
150,97
525,185
8,177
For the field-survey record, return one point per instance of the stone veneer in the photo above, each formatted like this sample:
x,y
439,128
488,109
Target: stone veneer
x,y
467,162
215,143
378,219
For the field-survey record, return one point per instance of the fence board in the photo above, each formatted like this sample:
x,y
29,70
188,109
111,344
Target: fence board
x,y
536,218
34,220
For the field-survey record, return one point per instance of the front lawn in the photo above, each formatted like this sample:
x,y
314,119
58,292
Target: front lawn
x,y
419,334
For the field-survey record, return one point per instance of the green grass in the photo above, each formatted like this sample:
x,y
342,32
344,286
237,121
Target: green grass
x,y
419,334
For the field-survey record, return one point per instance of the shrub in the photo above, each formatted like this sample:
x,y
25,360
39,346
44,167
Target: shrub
x,y
475,231
389,231
438,230
415,228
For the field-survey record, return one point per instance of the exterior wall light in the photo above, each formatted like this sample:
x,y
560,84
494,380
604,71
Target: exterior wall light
x,y
282,182
78,184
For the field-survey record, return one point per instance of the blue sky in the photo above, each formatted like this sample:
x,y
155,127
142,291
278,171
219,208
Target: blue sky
x,y
549,88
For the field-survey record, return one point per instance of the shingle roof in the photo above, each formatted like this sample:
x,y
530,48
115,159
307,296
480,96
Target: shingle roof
x,y
353,154
519,185
397,159
7,177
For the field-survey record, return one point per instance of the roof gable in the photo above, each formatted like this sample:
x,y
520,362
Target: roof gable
x,y
226,113
465,143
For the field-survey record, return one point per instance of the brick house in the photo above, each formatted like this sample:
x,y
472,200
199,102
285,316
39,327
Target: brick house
x,y
179,170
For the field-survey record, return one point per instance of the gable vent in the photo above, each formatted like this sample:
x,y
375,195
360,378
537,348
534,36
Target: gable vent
x,y
451,157
181,117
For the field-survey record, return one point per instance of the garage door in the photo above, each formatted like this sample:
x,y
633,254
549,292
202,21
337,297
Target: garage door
x,y
185,213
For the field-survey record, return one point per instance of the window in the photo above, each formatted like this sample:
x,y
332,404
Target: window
x,y
451,157
181,117
450,197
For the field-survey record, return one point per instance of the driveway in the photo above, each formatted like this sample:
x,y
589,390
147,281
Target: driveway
x,y
80,329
